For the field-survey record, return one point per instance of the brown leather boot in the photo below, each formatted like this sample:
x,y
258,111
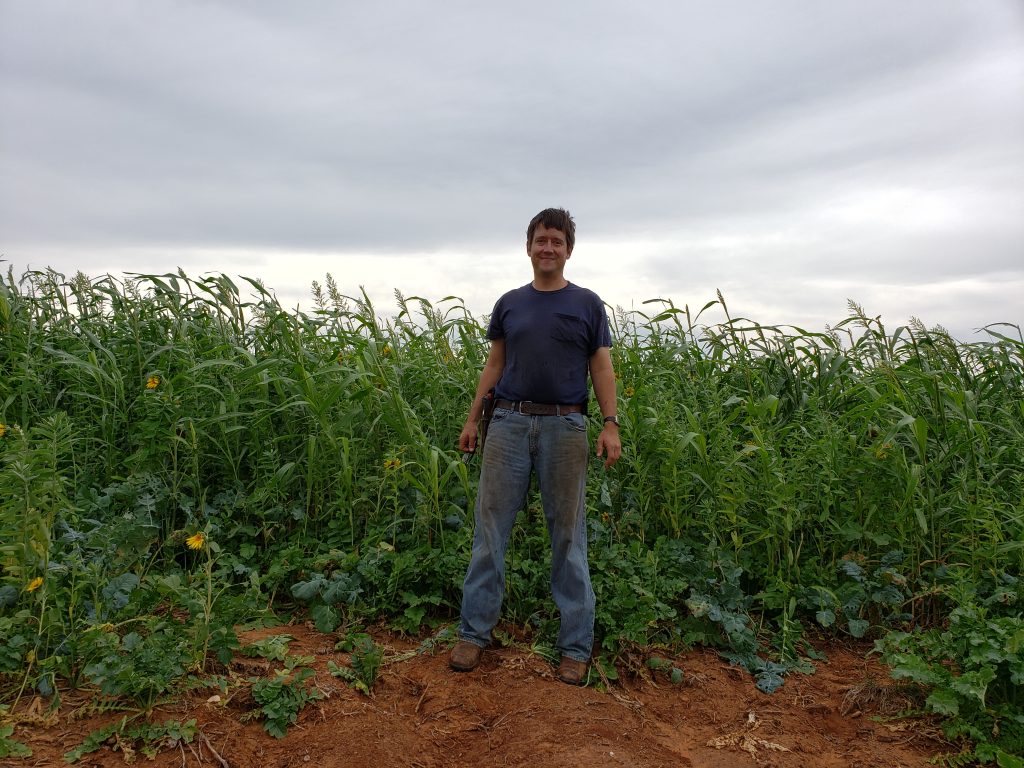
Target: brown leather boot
x,y
571,671
465,656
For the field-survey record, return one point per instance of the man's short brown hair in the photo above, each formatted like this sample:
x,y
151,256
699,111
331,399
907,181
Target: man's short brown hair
x,y
554,218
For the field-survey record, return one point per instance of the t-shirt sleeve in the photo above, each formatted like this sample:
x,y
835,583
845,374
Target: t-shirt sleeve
x,y
602,336
495,329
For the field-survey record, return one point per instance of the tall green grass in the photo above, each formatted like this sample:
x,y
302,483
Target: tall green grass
x,y
185,381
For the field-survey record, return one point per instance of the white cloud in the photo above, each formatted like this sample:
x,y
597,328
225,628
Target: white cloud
x,y
791,155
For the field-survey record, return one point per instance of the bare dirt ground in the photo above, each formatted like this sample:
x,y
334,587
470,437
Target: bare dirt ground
x,y
512,711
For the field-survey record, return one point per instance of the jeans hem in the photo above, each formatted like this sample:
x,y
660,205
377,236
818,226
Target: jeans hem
x,y
473,640
575,657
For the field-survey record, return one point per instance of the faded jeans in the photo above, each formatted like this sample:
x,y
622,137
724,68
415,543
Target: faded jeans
x,y
556,449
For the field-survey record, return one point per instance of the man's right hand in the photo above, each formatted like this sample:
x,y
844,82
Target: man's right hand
x,y
467,440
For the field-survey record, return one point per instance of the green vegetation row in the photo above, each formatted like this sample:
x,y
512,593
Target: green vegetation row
x,y
178,455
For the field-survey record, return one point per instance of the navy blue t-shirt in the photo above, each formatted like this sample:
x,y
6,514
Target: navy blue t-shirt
x,y
549,339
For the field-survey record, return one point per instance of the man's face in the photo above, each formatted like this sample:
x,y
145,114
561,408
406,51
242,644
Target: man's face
x,y
548,251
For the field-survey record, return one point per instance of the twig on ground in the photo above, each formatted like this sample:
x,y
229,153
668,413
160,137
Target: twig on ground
x,y
422,697
214,752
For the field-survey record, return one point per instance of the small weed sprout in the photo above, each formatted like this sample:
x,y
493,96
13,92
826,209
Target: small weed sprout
x,y
366,660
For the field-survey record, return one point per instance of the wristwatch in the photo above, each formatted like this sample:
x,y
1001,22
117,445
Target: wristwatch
x,y
611,420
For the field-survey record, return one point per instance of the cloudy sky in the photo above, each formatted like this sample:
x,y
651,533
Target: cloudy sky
x,y
793,155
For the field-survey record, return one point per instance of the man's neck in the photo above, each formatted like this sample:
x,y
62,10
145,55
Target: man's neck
x,y
549,283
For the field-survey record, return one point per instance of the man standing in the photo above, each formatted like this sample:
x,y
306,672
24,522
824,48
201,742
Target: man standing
x,y
546,337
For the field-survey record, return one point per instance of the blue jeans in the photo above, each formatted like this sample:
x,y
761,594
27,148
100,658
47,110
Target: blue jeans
x,y
556,449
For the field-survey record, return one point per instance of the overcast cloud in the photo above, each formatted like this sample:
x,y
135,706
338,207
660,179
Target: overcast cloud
x,y
791,154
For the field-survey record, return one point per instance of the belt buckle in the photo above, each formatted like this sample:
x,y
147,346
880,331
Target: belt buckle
x,y
520,407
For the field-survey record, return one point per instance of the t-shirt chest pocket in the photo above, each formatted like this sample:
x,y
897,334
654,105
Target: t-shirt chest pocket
x,y
569,329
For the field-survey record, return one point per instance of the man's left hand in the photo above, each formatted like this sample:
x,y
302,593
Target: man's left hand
x,y
609,445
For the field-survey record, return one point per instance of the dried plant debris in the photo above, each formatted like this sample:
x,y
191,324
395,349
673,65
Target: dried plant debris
x,y
745,739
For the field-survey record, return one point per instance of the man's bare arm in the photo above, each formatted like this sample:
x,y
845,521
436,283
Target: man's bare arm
x,y
603,376
488,378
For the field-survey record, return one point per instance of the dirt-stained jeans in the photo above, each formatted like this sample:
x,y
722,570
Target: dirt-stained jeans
x,y
556,448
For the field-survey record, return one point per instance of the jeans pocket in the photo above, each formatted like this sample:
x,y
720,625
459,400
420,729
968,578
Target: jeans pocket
x,y
576,421
499,413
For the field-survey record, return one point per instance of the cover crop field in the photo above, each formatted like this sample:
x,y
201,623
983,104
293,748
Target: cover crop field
x,y
186,467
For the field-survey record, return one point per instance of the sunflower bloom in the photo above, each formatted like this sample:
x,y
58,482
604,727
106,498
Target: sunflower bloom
x,y
3,430
392,463
629,392
196,540
35,584
152,382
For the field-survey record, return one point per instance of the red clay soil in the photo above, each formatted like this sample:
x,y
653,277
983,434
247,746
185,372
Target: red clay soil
x,y
511,711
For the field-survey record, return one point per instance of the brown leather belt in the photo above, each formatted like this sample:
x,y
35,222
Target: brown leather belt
x,y
531,408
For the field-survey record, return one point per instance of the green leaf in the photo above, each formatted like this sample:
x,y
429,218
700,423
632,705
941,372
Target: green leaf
x,y
119,590
733,623
344,673
325,618
8,596
9,747
858,627
826,618
944,702
342,588
698,605
93,742
769,680
851,569
1006,760
172,582
974,684
912,667
308,590
414,616
887,595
